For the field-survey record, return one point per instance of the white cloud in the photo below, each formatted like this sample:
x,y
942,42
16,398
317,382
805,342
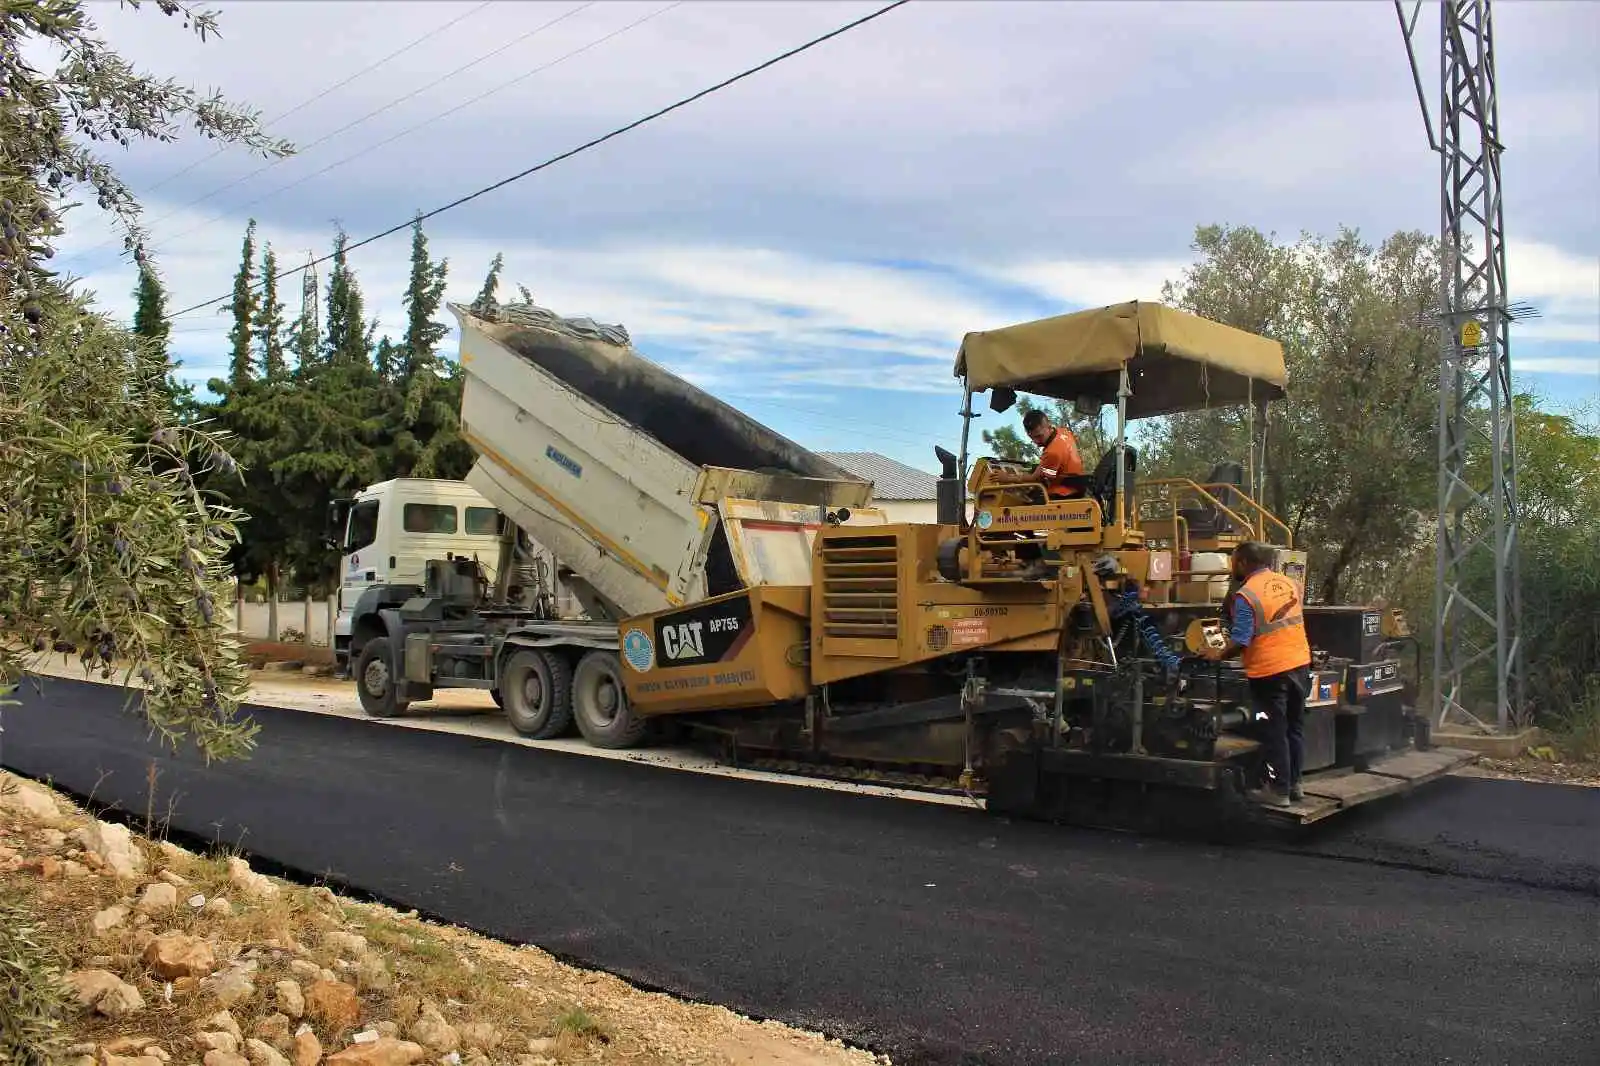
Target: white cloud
x,y
1095,284
1563,286
1029,157
1576,364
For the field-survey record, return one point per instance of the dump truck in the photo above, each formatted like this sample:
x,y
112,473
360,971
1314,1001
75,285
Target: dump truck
x,y
1043,655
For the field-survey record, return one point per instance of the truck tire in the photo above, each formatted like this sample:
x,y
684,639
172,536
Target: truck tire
x,y
536,687
374,677
600,704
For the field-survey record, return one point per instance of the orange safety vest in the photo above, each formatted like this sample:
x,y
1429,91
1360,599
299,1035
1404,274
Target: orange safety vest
x,y
1280,641
1059,457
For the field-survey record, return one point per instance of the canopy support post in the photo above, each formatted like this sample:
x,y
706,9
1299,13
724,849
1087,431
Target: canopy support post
x,y
966,428
1124,390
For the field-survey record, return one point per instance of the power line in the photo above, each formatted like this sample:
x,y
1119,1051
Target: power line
x,y
368,69
270,164
569,153
429,121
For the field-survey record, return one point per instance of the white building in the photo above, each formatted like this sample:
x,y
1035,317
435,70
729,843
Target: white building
x,y
905,493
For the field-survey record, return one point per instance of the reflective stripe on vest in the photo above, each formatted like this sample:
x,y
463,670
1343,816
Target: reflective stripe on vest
x,y
1279,643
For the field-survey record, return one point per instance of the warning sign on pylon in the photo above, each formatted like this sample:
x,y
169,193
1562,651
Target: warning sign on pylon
x,y
1471,333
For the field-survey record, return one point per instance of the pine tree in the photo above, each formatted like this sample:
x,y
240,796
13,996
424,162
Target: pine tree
x,y
150,323
303,341
348,339
240,368
150,309
485,303
424,295
427,437
269,328
387,357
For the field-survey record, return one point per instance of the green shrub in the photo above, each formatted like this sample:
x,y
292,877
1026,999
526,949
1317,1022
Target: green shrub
x,y
33,998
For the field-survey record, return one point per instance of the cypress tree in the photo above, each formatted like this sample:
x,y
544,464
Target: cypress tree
x,y
269,328
240,368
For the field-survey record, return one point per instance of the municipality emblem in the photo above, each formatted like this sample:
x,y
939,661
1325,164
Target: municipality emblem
x,y
639,650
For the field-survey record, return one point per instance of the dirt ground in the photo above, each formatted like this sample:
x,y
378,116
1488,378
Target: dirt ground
x,y
173,957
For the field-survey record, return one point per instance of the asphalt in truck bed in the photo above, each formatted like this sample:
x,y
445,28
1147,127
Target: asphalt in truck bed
x,y
1461,924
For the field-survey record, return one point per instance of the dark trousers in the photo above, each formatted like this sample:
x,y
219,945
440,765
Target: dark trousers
x,y
1278,709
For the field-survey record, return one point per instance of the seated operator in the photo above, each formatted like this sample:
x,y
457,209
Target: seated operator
x,y
1058,458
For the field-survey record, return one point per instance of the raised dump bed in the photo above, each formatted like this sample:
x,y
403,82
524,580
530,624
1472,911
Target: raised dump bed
x,y
654,493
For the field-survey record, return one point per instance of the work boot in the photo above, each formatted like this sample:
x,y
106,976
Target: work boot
x,y
1269,797
1297,794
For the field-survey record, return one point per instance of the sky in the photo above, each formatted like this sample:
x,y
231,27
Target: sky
x,y
811,243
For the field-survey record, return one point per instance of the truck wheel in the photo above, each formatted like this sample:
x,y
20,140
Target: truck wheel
x,y
374,676
600,704
537,689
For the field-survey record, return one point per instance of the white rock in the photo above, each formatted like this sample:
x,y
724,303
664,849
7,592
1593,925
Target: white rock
x,y
105,993
157,898
289,998
225,1021
433,1032
230,986
248,881
219,907
108,919
114,844
174,852
217,1041
29,798
261,1053
346,943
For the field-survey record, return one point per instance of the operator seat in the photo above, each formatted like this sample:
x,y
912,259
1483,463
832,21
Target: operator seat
x,y
1102,484
1207,521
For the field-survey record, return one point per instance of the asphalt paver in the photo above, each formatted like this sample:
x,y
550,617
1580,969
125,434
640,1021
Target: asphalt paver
x,y
1458,925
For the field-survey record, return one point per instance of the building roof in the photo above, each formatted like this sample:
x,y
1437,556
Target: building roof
x,y
891,480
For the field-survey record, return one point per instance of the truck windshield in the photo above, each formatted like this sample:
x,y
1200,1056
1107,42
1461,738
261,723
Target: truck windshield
x,y
428,518
363,526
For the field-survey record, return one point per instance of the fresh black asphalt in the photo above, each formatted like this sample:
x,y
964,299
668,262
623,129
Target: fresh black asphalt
x,y
1458,925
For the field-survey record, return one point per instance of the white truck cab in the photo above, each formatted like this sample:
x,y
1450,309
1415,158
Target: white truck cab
x,y
387,532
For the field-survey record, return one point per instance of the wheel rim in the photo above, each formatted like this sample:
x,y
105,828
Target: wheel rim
x,y
605,699
376,678
533,692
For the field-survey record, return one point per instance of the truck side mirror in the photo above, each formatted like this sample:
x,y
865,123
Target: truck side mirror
x,y
338,515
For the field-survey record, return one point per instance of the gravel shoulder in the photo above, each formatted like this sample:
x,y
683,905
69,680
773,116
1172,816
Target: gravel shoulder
x,y
169,956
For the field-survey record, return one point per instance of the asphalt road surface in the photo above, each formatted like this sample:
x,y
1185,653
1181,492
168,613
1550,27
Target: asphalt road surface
x,y
1459,925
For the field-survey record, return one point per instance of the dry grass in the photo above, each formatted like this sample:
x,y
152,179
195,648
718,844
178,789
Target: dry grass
x,y
540,1010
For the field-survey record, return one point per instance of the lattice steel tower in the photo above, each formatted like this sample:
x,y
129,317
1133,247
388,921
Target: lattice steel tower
x,y
1476,629
309,311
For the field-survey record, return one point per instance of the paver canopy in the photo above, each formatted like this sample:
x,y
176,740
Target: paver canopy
x,y
1176,361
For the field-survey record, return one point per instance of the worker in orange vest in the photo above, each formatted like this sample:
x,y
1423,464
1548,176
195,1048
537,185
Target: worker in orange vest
x,y
1058,459
1268,632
